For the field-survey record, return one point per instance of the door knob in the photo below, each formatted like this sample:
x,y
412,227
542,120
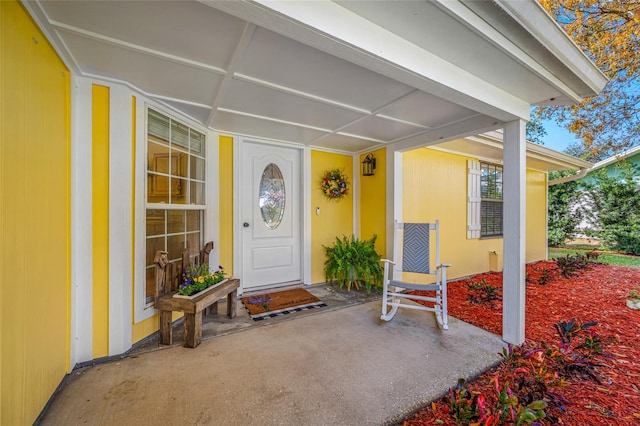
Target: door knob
x,y
246,224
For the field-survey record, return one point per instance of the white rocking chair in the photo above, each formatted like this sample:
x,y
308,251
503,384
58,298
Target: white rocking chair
x,y
411,254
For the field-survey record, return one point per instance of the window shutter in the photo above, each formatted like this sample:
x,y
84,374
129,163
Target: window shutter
x,y
473,199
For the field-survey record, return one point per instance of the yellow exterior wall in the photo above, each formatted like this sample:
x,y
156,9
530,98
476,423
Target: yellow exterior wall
x,y
336,216
373,201
435,187
225,194
536,216
35,230
100,219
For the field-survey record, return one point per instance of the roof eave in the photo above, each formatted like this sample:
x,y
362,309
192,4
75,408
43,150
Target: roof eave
x,y
535,19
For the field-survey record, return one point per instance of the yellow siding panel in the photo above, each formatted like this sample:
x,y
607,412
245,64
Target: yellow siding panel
x,y
435,187
536,216
226,203
373,201
100,222
336,216
35,233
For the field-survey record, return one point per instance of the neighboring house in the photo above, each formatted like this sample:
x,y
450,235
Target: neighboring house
x,y
613,164
128,127
613,167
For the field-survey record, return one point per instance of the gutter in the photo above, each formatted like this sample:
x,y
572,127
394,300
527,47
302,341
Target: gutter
x,y
582,173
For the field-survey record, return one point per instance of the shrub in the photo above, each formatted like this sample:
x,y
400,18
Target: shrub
x,y
570,264
351,261
615,208
483,292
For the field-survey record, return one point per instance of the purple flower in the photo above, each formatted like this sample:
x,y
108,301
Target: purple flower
x,y
259,300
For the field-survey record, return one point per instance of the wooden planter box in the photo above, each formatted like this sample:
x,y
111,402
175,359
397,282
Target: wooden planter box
x,y
193,307
166,299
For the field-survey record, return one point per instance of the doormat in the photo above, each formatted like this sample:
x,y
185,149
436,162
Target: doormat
x,y
271,305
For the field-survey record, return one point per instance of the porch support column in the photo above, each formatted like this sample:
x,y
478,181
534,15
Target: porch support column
x,y
514,195
394,196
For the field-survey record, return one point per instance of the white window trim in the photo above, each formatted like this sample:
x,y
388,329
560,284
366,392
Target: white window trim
x,y
143,310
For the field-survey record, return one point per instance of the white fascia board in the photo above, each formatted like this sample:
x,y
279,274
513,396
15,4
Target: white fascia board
x,y
615,158
539,152
335,30
555,157
532,17
482,28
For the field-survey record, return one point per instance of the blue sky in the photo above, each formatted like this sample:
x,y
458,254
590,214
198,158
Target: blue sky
x,y
557,138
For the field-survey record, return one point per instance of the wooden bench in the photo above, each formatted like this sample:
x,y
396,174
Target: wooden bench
x,y
167,280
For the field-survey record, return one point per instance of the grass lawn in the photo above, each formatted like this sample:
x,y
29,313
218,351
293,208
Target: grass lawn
x,y
606,258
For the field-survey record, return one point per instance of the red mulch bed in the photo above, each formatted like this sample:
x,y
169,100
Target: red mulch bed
x,y
597,294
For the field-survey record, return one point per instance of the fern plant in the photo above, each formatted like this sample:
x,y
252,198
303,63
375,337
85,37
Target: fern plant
x,y
353,262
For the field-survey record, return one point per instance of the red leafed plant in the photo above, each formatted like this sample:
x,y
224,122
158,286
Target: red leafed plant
x,y
569,371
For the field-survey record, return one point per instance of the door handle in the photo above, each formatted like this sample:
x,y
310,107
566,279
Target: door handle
x,y
246,224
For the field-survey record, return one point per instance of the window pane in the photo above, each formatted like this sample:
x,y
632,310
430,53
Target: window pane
x,y
150,285
272,196
491,218
179,134
175,244
158,126
157,188
193,220
158,158
175,221
491,181
197,193
197,168
153,245
179,191
197,142
182,165
194,242
155,222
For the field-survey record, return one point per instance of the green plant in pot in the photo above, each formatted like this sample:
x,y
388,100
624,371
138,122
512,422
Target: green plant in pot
x,y
351,261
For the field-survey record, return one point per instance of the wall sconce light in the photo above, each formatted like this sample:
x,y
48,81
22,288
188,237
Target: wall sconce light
x,y
368,165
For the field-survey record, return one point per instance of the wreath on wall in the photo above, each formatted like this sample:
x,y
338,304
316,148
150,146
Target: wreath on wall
x,y
334,184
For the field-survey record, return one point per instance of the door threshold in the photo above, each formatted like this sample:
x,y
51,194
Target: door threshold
x,y
253,291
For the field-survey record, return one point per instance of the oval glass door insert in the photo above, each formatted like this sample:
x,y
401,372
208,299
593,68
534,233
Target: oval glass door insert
x,y
272,196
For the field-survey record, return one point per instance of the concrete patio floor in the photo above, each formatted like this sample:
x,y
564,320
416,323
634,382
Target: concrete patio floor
x,y
339,365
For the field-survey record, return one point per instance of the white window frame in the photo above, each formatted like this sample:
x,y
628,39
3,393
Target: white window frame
x,y
143,310
474,200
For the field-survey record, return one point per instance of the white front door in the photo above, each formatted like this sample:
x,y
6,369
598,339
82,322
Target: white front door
x,y
270,216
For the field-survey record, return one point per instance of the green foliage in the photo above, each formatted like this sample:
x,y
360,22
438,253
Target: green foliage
x,y
533,378
504,408
615,202
198,278
482,292
545,276
634,293
564,217
351,261
571,264
535,130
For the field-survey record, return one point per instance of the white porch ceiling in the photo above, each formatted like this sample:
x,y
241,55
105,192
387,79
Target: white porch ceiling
x,y
236,68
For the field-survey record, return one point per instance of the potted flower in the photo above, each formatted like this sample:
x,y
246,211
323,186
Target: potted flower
x,y
633,299
198,278
351,261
